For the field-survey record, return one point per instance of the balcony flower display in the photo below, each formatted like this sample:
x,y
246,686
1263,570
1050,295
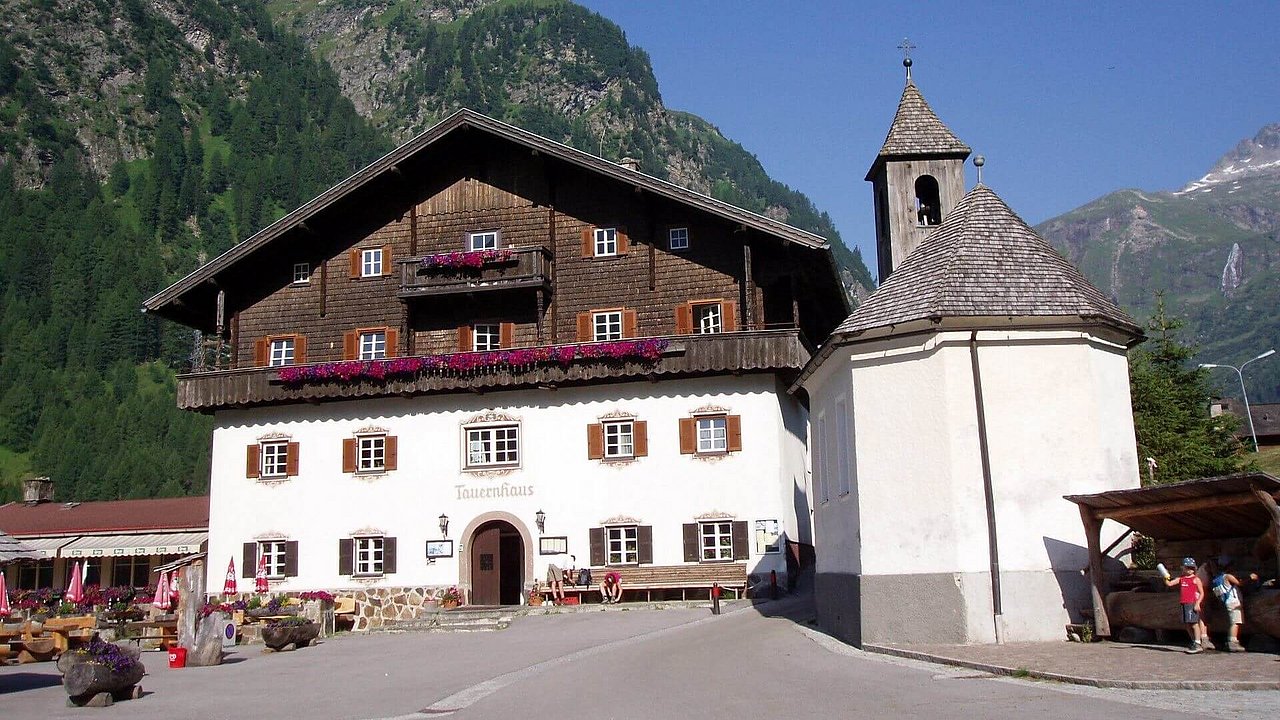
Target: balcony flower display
x,y
648,350
465,259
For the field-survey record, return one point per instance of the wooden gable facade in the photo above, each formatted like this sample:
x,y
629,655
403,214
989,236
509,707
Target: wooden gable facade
x,y
312,277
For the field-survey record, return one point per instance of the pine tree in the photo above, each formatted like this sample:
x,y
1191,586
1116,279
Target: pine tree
x,y
1170,409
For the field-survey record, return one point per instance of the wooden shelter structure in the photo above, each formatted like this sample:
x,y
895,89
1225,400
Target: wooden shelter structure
x,y
1231,506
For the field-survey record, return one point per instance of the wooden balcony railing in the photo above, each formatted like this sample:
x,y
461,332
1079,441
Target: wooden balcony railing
x,y
527,267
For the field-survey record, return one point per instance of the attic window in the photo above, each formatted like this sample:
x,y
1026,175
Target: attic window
x,y
928,201
301,273
678,238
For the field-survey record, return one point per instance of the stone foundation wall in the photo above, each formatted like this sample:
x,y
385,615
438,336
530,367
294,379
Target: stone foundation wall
x,y
376,607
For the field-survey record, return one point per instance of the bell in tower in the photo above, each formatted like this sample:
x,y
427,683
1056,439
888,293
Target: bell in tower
x,y
916,179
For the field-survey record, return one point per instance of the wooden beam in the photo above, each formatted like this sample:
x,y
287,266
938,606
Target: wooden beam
x,y
1097,580
1273,509
1173,506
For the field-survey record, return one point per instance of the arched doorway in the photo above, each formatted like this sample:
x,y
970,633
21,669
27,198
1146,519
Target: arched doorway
x,y
497,558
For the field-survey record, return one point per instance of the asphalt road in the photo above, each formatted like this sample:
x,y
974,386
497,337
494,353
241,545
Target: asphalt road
x,y
619,664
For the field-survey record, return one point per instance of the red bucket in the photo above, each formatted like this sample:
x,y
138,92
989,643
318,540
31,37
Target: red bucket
x,y
177,657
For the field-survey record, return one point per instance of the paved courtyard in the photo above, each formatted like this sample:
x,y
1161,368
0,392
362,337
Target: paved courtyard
x,y
755,662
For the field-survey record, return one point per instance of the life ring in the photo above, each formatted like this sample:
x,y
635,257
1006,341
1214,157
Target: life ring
x,y
611,588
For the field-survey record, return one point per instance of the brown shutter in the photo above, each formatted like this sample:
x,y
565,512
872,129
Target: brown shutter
x,y
595,441
291,459
299,349
349,455
260,352
640,438
630,324
584,327
391,454
393,342
740,549
353,257
733,428
389,555
644,544
346,556
250,559
588,242
595,537
291,558
386,260
465,342
350,345
624,240
253,461
692,540
507,335
688,436
684,319
730,310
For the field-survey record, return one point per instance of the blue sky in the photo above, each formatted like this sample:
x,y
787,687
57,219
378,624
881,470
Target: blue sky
x,y
1067,101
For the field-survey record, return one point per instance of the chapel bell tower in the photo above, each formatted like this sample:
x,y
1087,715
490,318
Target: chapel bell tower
x,y
917,178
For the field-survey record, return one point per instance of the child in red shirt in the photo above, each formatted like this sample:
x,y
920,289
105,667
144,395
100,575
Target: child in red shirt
x,y
1190,595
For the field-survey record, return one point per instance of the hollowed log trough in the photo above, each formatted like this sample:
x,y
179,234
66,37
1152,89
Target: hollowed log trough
x,y
278,637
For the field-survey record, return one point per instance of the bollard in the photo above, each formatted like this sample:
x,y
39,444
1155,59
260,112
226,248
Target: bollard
x,y
773,584
715,598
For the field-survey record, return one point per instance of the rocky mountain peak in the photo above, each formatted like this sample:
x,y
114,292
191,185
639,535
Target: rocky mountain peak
x,y
1259,155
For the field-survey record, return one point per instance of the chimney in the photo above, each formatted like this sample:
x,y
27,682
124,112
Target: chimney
x,y
37,490
630,163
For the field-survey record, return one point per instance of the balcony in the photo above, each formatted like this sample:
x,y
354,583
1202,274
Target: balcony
x,y
456,273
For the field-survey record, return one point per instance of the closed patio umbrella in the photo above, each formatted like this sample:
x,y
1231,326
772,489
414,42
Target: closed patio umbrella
x,y
5,610
229,585
75,591
162,599
260,583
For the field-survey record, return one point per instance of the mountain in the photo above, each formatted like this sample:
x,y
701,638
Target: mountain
x,y
1212,248
138,138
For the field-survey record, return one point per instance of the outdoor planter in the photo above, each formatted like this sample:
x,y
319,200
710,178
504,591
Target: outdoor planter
x,y
279,635
268,612
99,676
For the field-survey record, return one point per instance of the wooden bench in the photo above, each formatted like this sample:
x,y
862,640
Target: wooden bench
x,y
650,578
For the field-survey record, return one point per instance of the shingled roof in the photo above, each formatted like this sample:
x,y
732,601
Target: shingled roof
x,y
916,130
984,261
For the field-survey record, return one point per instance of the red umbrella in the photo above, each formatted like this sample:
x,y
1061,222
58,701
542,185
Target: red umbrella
x,y
5,610
229,585
173,587
161,599
260,577
75,591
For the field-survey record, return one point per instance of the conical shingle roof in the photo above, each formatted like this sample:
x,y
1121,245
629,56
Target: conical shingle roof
x,y
984,261
916,130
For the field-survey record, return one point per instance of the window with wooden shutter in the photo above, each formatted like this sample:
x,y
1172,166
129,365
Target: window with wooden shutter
x,y
350,344
249,556
684,319
585,331
349,455
346,557
299,349
253,461
260,351
741,550
640,438
291,459
387,266
353,257
595,538
391,457
291,558
393,343
730,310
733,424
464,339
692,542
595,441
389,555
688,436
630,324
588,242
644,544
507,335
624,240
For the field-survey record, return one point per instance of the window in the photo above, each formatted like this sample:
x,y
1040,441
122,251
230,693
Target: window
x,y
606,326
498,445
619,439
623,545
371,453
33,576
713,435
370,262
928,201
92,569
275,459
767,537
678,238
606,241
373,345
368,555
717,540
301,273
273,551
486,336
132,571
487,240
282,352
708,318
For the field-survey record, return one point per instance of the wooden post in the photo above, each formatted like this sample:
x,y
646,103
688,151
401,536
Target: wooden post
x,y
1097,580
190,599
1273,510
748,292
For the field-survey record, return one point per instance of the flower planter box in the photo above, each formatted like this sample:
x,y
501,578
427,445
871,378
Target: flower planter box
x,y
278,637
92,683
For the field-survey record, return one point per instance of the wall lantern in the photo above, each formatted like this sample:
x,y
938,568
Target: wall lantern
x,y
541,521
444,525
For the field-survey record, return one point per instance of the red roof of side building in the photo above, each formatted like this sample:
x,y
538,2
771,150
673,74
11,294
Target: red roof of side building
x,y
112,516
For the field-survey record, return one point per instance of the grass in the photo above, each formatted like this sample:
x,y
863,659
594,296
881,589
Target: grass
x,y
1268,459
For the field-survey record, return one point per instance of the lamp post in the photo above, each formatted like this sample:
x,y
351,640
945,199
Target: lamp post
x,y
444,525
1240,374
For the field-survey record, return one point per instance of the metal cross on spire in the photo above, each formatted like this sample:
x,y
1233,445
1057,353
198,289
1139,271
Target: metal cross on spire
x,y
906,47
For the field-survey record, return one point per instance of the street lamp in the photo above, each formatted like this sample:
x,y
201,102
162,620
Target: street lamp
x,y
444,525
540,519
1240,374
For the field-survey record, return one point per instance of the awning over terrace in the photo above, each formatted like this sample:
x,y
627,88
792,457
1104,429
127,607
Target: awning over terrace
x,y
180,543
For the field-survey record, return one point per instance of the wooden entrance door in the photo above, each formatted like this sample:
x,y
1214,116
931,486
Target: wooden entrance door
x,y
486,565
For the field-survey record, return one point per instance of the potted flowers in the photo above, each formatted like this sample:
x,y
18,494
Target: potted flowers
x,y
450,597
100,669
